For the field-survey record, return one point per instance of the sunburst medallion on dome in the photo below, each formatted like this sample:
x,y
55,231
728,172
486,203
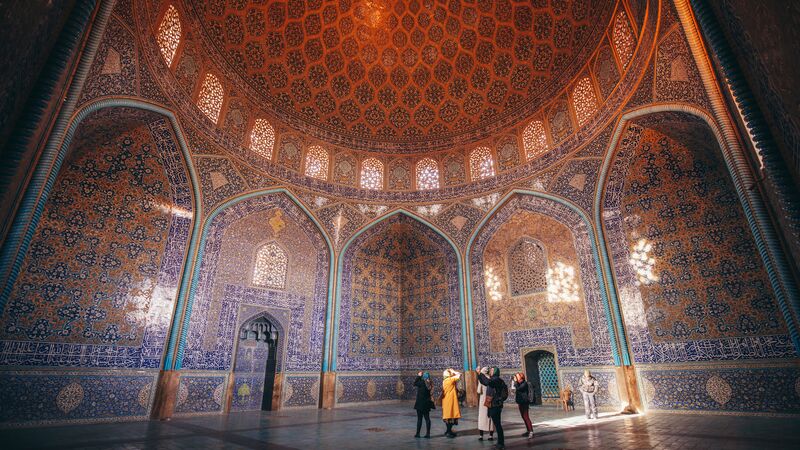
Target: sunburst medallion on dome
x,y
405,75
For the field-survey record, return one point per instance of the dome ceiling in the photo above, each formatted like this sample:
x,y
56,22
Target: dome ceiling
x,y
402,76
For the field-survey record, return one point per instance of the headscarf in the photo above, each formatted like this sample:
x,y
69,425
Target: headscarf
x,y
447,373
485,370
495,371
426,376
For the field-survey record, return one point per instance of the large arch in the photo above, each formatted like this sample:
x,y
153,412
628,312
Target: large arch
x,y
450,272
308,311
112,147
518,199
741,320
736,163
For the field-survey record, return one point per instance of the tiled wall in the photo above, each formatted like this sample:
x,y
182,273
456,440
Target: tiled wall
x,y
98,284
754,387
707,297
577,328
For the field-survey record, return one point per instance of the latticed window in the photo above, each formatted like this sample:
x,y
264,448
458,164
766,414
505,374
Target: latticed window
x,y
169,34
534,139
481,163
317,162
270,266
210,98
584,100
624,41
371,174
262,138
527,268
427,174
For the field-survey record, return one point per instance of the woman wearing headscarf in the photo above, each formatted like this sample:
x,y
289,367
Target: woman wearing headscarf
x,y
496,394
522,397
424,404
484,422
450,410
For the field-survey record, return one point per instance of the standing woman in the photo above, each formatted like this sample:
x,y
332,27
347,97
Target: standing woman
x,y
424,404
522,396
496,394
484,422
450,410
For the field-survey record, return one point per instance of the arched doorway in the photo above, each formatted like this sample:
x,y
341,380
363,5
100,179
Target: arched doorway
x,y
258,351
540,369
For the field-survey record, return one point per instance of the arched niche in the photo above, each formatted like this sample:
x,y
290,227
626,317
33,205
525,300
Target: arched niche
x,y
223,287
399,299
692,284
571,316
105,261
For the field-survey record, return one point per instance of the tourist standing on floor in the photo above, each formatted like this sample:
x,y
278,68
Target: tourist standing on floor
x,y
588,387
424,402
497,393
484,422
523,393
450,410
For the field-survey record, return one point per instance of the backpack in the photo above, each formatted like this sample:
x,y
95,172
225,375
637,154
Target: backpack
x,y
502,393
461,393
531,393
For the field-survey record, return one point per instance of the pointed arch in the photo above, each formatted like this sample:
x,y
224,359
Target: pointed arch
x,y
198,252
426,173
316,163
54,156
262,138
210,97
270,266
766,240
371,174
608,296
466,342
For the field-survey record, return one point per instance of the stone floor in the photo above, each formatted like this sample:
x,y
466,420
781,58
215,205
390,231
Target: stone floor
x,y
390,426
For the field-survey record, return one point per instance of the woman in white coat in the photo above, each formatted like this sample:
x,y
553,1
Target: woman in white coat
x,y
484,422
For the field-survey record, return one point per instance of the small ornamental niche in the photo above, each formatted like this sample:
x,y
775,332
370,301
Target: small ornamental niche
x,y
259,330
270,266
527,267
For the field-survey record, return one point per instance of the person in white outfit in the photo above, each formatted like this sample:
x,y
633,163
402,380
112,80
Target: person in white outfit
x,y
588,387
484,422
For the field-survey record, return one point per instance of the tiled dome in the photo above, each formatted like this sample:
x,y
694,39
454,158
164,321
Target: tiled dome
x,y
402,76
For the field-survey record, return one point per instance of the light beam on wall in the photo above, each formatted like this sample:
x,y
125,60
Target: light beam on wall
x,y
562,283
642,263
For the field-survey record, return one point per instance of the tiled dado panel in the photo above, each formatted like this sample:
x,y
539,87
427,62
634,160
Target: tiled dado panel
x,y
201,393
733,388
46,397
300,390
362,387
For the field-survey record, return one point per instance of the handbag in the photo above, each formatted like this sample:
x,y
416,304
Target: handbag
x,y
487,402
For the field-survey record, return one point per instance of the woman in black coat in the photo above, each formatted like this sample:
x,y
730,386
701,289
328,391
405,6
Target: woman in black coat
x,y
424,403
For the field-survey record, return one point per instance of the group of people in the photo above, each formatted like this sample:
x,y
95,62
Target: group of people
x,y
492,394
